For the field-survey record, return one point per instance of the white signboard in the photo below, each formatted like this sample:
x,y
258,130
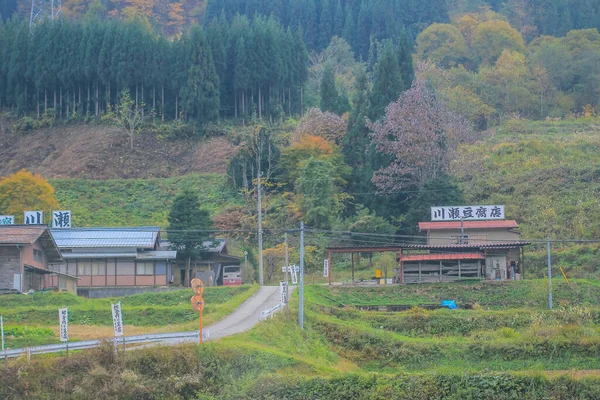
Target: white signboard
x,y
2,330
33,218
63,317
7,219
326,268
283,290
467,213
295,275
289,268
117,319
61,219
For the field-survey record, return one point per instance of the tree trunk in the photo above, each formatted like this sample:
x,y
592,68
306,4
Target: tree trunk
x,y
176,107
142,101
60,104
38,104
153,101
67,101
259,103
54,103
45,101
235,104
290,101
87,106
162,103
188,272
97,100
301,102
136,95
131,134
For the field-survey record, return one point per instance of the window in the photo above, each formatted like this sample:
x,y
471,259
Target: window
x,y
161,268
38,255
84,268
62,268
145,268
125,267
98,267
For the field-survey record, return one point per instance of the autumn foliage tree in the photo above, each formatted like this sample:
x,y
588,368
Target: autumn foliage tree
x,y
327,125
419,132
26,191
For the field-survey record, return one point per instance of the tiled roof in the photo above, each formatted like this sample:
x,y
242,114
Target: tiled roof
x,y
447,256
499,224
138,237
20,234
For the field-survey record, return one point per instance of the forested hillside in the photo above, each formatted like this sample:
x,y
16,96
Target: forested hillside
x,y
357,116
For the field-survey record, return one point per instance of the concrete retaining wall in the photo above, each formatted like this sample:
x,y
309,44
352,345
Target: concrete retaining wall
x,y
103,292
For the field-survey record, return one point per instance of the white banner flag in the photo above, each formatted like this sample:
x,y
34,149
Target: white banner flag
x,y
2,329
63,317
283,289
117,319
326,268
294,275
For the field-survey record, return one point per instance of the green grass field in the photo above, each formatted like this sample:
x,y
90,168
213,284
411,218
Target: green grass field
x,y
137,202
33,319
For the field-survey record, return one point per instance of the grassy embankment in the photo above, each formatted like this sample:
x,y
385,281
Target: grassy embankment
x,y
137,202
32,320
548,176
522,351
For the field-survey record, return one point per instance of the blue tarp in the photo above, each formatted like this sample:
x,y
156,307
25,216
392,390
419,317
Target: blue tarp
x,y
451,304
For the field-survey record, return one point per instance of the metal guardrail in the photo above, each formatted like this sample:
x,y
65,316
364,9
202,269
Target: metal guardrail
x,y
271,311
181,337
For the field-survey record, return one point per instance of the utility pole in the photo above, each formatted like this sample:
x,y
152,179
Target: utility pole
x,y
260,233
301,305
549,277
287,265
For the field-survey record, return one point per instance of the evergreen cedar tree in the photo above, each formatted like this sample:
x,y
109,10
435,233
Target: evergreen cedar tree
x,y
23,191
188,226
228,70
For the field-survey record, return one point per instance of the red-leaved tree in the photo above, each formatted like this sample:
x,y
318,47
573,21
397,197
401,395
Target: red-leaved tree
x,y
420,133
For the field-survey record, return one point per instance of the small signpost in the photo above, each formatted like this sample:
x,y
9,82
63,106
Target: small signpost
x,y
283,291
198,302
326,268
2,331
117,315
63,318
294,275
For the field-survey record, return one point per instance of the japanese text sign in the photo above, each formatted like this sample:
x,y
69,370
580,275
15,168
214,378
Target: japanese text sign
x,y
467,213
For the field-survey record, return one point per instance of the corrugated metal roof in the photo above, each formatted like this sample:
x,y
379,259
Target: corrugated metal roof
x,y
20,234
72,256
138,237
466,246
500,224
447,256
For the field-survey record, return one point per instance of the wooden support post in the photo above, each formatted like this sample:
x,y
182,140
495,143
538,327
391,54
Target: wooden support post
x,y
420,280
479,268
329,266
352,267
401,266
459,269
441,271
